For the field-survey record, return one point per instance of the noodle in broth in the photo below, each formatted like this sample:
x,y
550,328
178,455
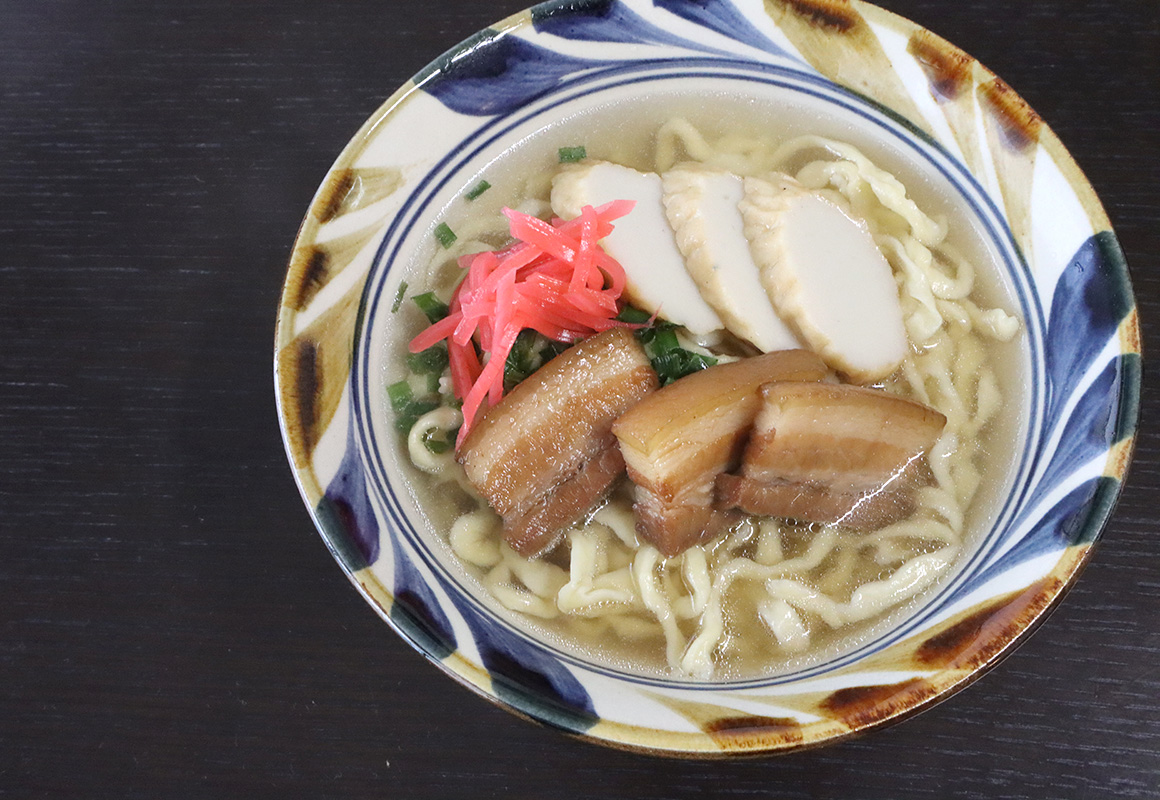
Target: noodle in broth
x,y
769,592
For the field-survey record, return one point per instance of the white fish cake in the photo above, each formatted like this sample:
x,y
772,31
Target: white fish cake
x,y
826,277
642,241
702,207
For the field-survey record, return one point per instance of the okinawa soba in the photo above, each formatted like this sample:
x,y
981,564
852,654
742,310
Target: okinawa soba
x,y
709,409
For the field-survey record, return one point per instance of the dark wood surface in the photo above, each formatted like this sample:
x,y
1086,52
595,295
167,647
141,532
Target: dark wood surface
x,y
170,623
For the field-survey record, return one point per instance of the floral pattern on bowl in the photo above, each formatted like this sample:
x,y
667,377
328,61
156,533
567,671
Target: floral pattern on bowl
x,y
1061,257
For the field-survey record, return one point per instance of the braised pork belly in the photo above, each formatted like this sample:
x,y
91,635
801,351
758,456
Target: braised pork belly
x,y
833,453
677,441
545,455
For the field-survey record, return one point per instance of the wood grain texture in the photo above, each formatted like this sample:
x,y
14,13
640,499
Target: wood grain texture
x,y
171,625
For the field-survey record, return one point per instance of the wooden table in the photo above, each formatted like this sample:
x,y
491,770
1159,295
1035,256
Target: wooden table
x,y
170,623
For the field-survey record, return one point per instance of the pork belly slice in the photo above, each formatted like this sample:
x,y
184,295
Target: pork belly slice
x,y
535,531
536,457
690,518
679,439
833,453
850,437
809,502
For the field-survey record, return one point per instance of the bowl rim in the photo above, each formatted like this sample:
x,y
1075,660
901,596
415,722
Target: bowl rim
x,y
377,295
289,399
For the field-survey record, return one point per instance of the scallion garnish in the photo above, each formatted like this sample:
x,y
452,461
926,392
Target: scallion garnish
x,y
439,443
400,395
669,360
673,364
478,189
432,306
432,360
445,235
634,316
399,295
569,155
519,364
406,419
665,340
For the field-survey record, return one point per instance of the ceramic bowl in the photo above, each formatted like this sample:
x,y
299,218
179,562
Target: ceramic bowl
x,y
852,67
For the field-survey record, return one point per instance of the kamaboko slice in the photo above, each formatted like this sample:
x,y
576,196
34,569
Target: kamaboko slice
x,y
701,204
642,242
826,277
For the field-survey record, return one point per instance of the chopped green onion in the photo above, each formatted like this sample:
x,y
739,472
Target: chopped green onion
x,y
478,189
406,406
649,335
406,419
519,364
674,364
664,340
436,443
530,351
423,407
399,295
569,155
553,349
400,395
524,348
433,379
432,306
669,359
445,235
437,446
634,316
433,359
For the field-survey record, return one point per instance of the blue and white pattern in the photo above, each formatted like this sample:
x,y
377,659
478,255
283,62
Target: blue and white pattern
x,y
506,82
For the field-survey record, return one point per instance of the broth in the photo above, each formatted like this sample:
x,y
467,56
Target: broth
x,y
634,641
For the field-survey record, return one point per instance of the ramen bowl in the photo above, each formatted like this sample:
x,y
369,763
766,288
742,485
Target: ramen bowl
x,y
518,92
